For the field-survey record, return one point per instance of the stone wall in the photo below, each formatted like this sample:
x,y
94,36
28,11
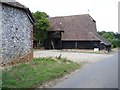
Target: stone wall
x,y
0,32
16,35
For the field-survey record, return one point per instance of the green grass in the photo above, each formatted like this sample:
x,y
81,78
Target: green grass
x,y
36,72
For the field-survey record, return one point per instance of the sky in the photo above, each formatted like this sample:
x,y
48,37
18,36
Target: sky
x,y
105,12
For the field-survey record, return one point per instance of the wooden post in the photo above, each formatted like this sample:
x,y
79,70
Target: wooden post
x,y
52,43
76,45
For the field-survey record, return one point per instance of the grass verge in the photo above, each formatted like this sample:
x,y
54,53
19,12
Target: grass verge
x,y
36,72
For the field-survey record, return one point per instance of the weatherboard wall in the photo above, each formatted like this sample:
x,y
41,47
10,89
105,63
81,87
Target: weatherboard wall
x,y
80,44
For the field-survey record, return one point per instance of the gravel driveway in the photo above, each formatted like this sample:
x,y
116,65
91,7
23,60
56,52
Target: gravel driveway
x,y
73,56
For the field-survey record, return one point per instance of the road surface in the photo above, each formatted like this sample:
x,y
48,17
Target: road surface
x,y
102,74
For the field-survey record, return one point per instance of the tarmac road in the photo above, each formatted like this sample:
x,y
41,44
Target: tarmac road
x,y
102,74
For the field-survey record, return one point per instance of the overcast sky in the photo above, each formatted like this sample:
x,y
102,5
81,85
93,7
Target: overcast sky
x,y
105,12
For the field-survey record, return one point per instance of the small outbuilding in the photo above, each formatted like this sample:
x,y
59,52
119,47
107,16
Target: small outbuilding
x,y
75,32
16,33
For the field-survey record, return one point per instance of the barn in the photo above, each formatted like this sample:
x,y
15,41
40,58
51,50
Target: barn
x,y
74,32
16,33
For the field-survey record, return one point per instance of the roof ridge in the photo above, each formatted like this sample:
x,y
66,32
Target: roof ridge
x,y
8,1
70,16
14,4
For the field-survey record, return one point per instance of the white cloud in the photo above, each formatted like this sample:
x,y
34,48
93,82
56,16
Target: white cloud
x,y
105,12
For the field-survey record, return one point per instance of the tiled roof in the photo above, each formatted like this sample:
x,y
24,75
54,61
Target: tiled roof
x,y
12,3
77,27
102,39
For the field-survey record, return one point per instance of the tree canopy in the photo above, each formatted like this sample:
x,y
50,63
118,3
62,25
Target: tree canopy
x,y
40,29
114,38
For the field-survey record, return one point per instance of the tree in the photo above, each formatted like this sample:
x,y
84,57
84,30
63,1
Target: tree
x,y
117,36
40,29
114,38
102,32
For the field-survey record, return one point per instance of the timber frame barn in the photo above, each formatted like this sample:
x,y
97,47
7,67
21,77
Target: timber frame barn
x,y
75,32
